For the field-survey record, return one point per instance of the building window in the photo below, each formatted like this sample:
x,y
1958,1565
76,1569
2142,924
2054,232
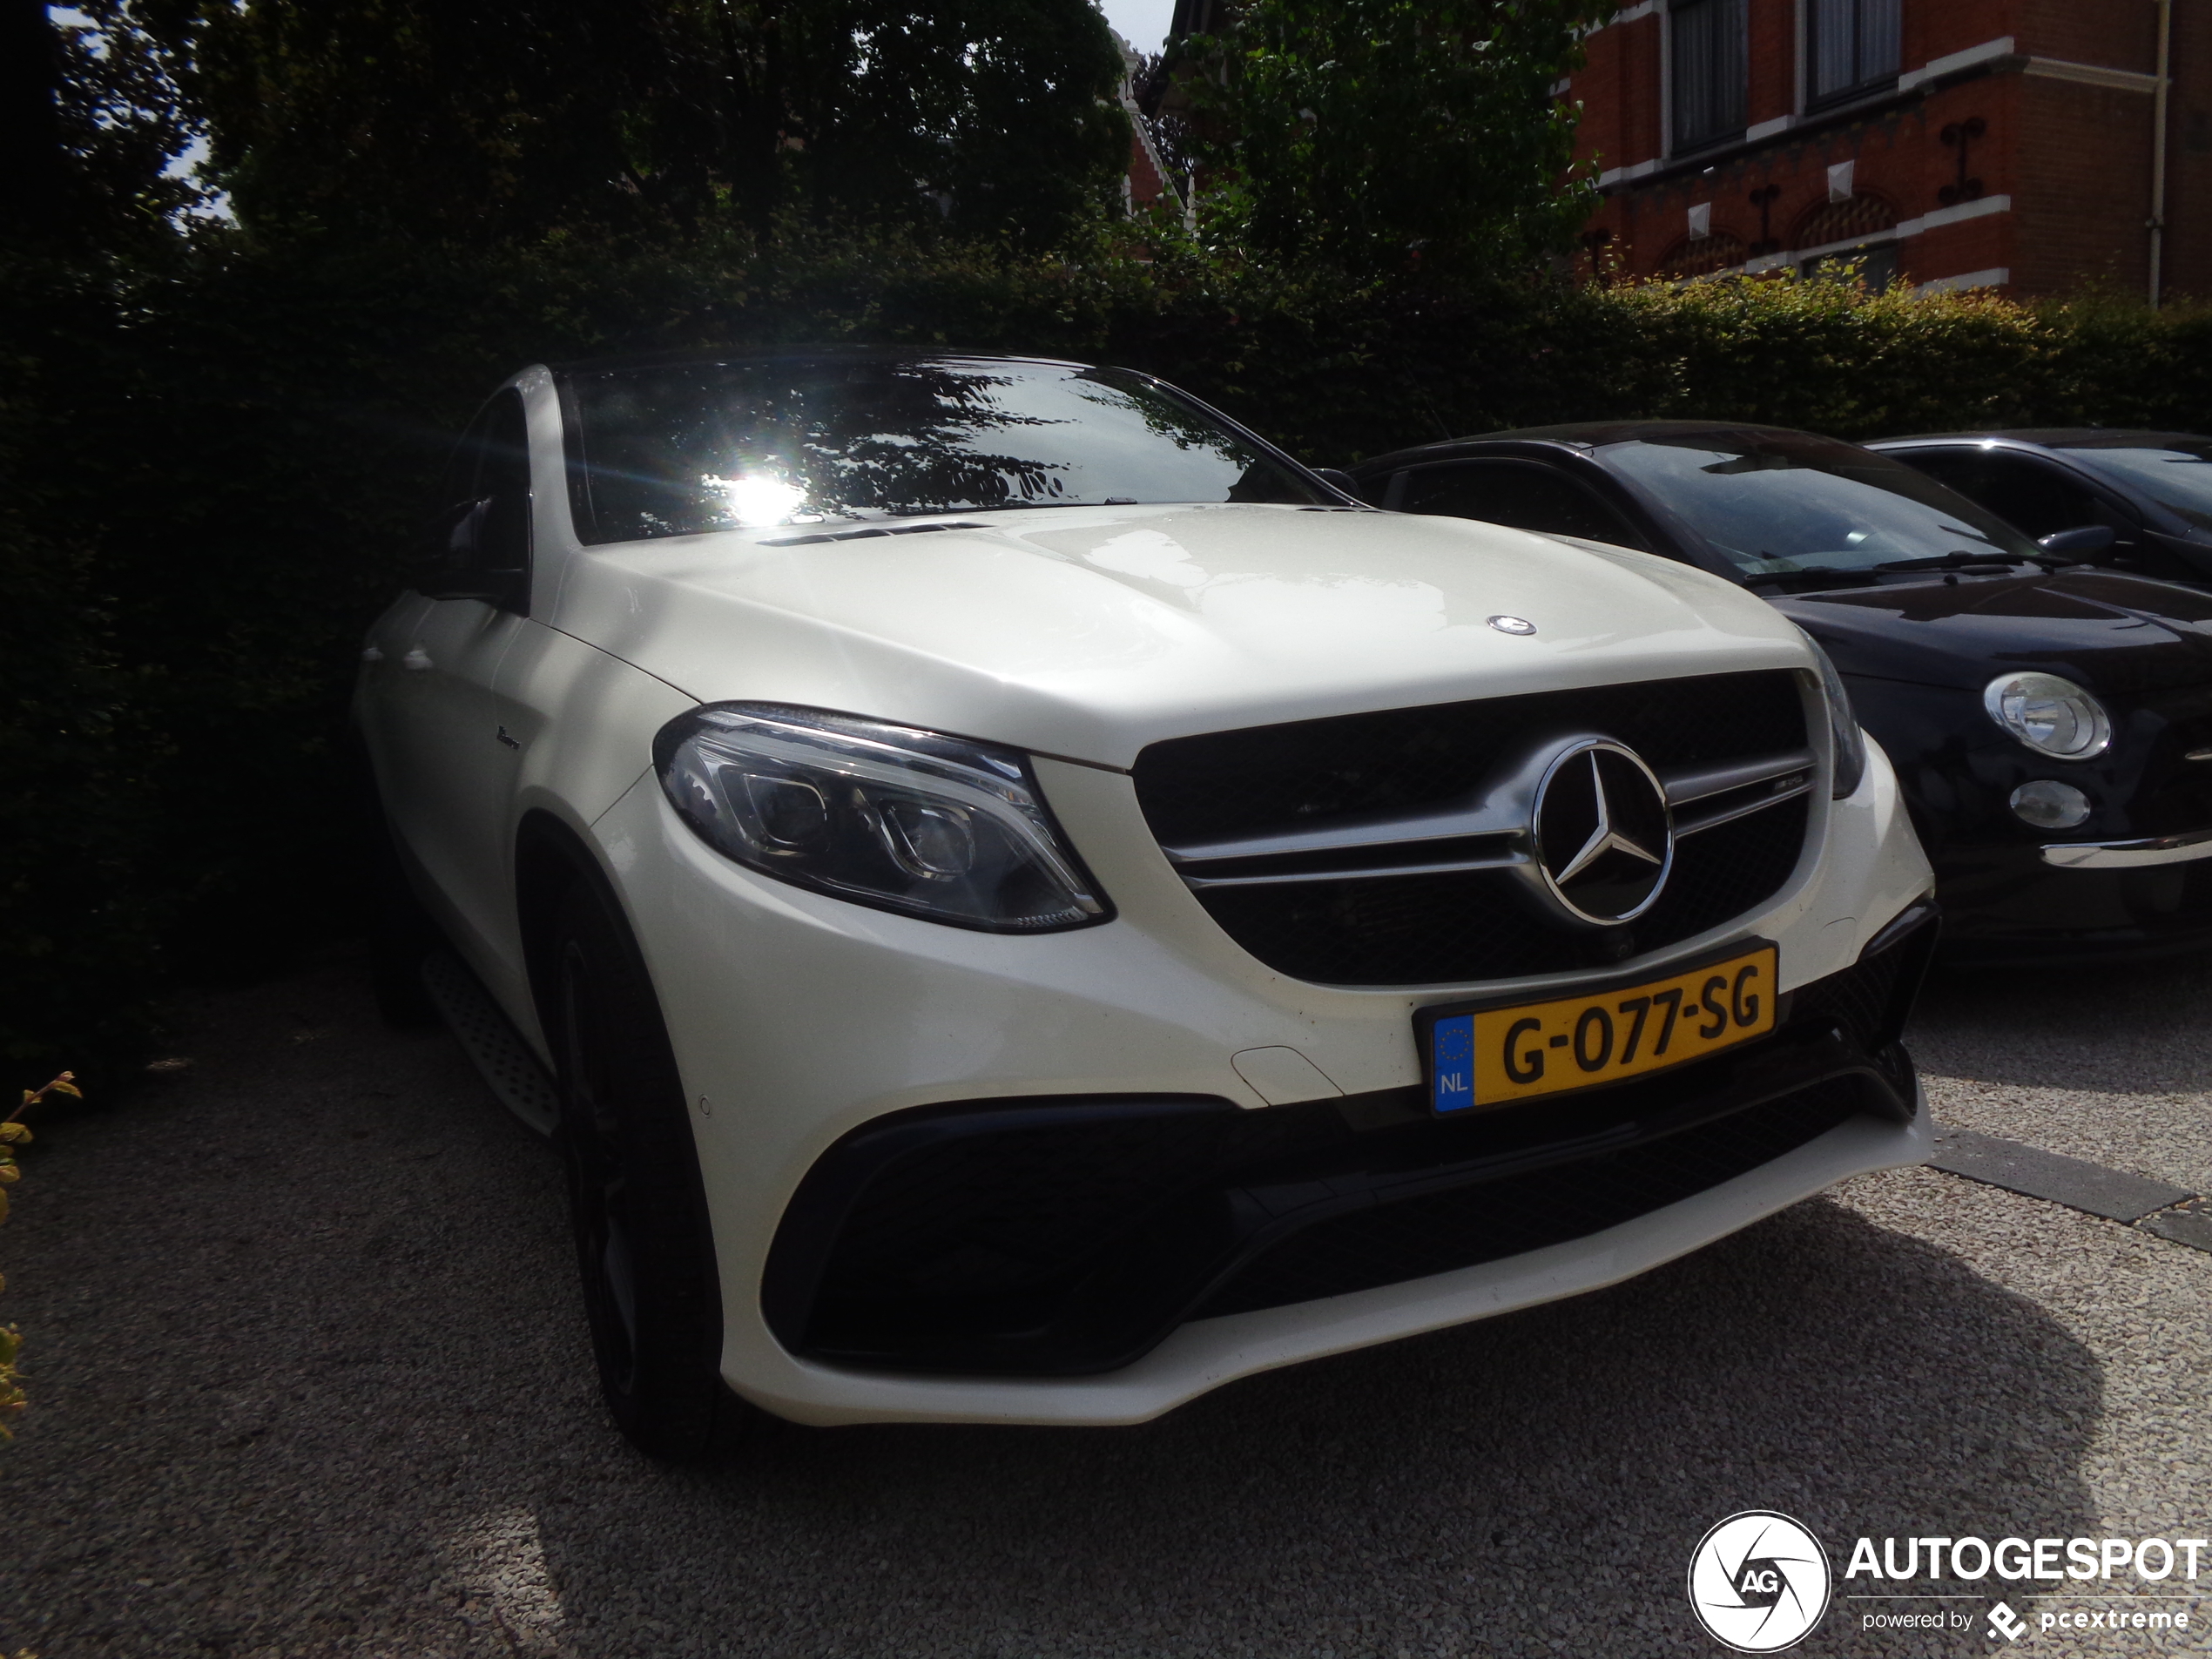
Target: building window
x,y
1708,71
1874,268
1699,256
1852,45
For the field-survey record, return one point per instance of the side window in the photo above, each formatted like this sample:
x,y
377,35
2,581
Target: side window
x,y
477,544
504,481
1523,494
2026,493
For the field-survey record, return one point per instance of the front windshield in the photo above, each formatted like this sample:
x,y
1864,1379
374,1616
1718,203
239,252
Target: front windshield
x,y
1780,503
678,448
2177,473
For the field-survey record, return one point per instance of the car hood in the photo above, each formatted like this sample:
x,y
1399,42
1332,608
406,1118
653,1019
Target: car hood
x,y
2119,634
1090,632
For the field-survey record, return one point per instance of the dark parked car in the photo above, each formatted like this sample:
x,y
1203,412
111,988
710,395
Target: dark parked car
x,y
2050,722
2134,500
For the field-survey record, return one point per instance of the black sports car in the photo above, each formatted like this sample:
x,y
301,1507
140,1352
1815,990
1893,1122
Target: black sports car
x,y
2134,500
2050,722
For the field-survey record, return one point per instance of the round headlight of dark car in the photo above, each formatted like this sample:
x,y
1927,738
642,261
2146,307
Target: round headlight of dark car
x,y
2051,715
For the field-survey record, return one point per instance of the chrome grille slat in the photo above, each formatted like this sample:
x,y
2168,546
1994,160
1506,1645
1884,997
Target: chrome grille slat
x,y
1379,849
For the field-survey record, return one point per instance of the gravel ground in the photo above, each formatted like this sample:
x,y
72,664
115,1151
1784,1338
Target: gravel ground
x,y
310,1378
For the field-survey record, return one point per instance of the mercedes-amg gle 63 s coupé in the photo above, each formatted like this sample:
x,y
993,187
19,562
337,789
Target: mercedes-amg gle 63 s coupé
x,y
1033,904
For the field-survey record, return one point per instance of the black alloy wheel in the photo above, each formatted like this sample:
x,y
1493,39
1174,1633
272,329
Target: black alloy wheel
x,y
635,1202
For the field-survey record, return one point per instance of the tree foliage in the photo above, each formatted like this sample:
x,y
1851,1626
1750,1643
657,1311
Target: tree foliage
x,y
1385,134
92,128
482,120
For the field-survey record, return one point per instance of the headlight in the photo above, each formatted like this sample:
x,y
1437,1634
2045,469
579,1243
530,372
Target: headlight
x,y
2051,715
1844,737
882,815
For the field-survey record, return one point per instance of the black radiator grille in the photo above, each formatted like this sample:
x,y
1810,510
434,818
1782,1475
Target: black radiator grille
x,y
1413,1239
1435,929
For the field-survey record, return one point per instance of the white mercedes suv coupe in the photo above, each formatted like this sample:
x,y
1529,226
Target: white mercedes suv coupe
x,y
1033,904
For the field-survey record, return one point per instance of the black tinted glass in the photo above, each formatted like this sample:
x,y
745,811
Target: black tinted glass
x,y
504,482
675,450
2176,475
1522,493
1783,502
2027,494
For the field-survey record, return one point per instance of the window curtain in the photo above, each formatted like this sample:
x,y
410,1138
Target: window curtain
x,y
1708,70
1854,42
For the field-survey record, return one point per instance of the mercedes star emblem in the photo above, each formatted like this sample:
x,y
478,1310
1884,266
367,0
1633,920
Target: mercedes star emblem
x,y
1605,839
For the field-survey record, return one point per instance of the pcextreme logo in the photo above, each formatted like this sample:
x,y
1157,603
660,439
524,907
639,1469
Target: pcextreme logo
x,y
1759,1581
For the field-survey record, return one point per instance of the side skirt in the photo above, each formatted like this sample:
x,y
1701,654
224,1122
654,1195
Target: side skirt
x,y
510,1070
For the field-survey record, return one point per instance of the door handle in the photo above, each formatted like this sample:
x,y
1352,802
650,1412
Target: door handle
x,y
372,655
417,659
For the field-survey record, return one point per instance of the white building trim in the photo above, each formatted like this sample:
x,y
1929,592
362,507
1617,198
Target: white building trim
x,y
1615,175
2117,80
1980,207
1951,62
1995,277
1792,258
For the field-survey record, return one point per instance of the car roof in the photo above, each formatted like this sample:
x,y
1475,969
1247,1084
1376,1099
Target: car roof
x,y
2057,437
803,354
1581,434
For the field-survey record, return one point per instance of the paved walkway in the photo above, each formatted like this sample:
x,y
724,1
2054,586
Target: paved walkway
x,y
310,1378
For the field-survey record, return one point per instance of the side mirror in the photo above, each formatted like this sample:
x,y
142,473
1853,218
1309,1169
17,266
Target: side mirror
x,y
2087,543
1341,478
447,545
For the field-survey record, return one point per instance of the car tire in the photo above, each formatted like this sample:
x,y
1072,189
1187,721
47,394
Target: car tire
x,y
636,1204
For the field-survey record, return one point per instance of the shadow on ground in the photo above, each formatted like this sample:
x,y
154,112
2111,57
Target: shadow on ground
x,y
2127,1029
310,1378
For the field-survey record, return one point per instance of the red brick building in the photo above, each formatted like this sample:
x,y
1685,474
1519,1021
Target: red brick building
x,y
2025,145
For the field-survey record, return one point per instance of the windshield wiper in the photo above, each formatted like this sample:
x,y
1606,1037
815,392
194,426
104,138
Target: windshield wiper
x,y
1014,506
1812,573
1957,559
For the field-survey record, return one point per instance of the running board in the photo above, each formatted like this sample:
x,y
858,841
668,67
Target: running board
x,y
509,1069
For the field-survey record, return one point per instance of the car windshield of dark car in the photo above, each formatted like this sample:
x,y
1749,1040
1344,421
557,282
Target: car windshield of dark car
x,y
675,450
2176,475
1780,503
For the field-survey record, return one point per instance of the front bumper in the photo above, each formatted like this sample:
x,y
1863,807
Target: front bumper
x,y
1069,1236
2144,853
800,1023
2073,902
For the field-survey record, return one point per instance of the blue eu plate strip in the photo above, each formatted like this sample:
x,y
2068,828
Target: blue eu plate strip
x,y
1451,1064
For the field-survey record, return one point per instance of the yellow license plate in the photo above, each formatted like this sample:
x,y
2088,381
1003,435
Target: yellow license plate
x,y
1482,1057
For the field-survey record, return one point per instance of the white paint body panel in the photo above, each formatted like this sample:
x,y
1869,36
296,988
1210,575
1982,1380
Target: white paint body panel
x,y
1091,632
1080,635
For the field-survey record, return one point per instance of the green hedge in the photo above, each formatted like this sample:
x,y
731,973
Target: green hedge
x,y
208,466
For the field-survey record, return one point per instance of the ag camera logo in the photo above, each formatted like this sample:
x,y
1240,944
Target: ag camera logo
x,y
1759,1581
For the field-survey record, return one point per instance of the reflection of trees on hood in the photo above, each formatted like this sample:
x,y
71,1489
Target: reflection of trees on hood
x,y
471,120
